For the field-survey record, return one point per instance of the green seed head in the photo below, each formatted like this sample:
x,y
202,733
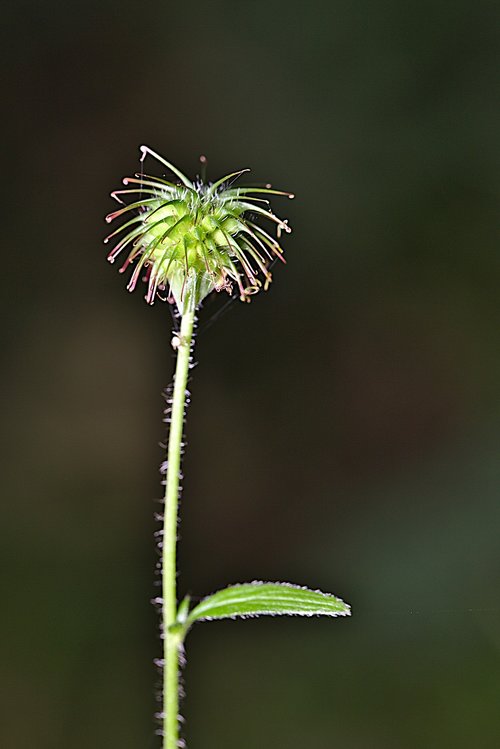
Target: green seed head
x,y
193,238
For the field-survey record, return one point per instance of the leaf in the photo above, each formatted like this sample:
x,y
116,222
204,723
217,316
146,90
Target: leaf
x,y
179,626
182,611
267,599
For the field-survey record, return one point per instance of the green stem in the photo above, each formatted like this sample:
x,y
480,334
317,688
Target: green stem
x,y
172,640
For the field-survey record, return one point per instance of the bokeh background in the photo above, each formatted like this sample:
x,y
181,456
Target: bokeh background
x,y
344,427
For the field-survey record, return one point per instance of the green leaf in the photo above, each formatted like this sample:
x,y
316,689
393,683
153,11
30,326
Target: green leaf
x,y
182,611
271,599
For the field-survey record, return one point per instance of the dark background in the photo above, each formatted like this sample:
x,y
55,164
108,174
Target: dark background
x,y
344,427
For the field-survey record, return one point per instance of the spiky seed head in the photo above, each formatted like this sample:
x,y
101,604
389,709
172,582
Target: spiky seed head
x,y
191,238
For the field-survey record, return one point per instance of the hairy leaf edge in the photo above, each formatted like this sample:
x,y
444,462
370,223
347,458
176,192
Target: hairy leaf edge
x,y
193,617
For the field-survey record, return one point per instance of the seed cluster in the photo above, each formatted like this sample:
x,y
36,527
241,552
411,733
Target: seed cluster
x,y
194,238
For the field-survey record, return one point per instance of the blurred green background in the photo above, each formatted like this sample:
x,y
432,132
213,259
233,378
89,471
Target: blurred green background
x,y
344,427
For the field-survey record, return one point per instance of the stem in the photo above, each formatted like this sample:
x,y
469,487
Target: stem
x,y
172,640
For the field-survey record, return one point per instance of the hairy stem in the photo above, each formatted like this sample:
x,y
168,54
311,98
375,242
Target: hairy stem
x,y
171,638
